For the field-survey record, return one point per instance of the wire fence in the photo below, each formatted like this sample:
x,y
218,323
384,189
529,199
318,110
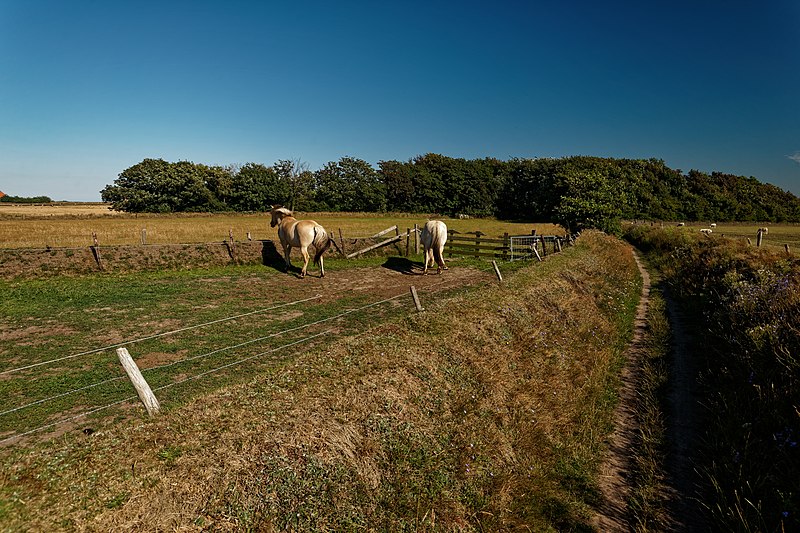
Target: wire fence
x,y
174,380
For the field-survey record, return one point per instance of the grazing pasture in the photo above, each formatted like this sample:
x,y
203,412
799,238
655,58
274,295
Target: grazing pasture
x,y
33,227
777,236
487,411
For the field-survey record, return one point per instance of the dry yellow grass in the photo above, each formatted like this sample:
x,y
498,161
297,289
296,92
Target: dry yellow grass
x,y
61,226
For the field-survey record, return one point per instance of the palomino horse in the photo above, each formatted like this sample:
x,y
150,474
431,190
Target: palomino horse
x,y
300,233
433,237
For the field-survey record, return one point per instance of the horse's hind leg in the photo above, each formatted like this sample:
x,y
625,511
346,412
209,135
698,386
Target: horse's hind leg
x,y
287,251
321,267
305,261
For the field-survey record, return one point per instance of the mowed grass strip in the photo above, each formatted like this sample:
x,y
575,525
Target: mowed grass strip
x,y
486,412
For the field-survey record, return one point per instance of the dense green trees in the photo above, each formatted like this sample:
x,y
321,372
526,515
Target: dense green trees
x,y
577,192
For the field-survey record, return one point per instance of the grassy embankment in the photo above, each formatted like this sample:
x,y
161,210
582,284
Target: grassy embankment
x,y
748,302
487,411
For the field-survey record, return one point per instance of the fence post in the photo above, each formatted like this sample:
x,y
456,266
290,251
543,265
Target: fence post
x,y
416,239
506,246
408,240
478,243
416,299
497,270
558,244
249,238
544,247
142,388
96,251
759,237
341,240
786,247
144,236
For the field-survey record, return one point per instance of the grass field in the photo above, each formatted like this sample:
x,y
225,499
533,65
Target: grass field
x,y
778,235
486,412
63,226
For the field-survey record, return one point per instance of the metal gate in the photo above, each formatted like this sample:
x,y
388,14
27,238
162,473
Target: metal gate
x,y
523,246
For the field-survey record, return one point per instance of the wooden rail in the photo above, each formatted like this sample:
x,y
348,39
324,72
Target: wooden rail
x,y
476,244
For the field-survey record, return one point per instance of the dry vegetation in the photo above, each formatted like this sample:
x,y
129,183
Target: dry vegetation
x,y
486,412
61,226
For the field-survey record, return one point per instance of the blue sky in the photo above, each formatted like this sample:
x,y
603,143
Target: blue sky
x,y
90,88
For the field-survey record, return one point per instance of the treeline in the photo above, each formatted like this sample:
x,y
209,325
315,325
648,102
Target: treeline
x,y
577,192
26,200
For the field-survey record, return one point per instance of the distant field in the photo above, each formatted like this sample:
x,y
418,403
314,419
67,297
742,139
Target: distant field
x,y
777,236
72,225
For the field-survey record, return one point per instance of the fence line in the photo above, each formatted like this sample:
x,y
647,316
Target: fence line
x,y
129,398
207,354
92,411
134,341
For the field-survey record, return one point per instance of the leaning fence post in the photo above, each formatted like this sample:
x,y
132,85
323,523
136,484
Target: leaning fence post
x,y
759,237
96,251
416,299
142,388
497,270
786,247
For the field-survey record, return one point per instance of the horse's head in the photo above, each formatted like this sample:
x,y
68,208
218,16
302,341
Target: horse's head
x,y
278,212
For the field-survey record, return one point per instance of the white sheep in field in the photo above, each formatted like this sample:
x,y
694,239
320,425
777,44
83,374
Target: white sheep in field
x,y
705,230
713,224
681,224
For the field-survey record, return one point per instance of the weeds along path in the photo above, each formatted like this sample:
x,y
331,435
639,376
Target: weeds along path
x,y
616,469
682,425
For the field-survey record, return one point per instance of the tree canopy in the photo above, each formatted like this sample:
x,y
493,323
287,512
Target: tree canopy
x,y
577,192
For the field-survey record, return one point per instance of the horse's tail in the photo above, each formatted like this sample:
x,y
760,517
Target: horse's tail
x,y
321,242
437,243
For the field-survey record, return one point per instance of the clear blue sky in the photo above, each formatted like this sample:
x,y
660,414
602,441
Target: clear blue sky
x,y
90,88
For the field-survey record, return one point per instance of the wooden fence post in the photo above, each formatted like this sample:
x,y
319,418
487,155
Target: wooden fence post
x,y
142,388
341,240
478,243
558,244
416,299
497,270
506,246
416,239
249,238
96,251
535,249
144,236
786,247
759,237
408,240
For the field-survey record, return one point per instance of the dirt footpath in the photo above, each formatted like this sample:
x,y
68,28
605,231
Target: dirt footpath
x,y
615,471
682,415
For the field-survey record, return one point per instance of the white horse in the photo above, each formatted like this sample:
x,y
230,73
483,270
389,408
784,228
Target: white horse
x,y
300,233
433,237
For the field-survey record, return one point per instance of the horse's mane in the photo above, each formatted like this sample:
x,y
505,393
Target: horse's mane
x,y
283,211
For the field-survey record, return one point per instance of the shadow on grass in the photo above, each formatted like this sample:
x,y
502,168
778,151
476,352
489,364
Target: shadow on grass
x,y
403,265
